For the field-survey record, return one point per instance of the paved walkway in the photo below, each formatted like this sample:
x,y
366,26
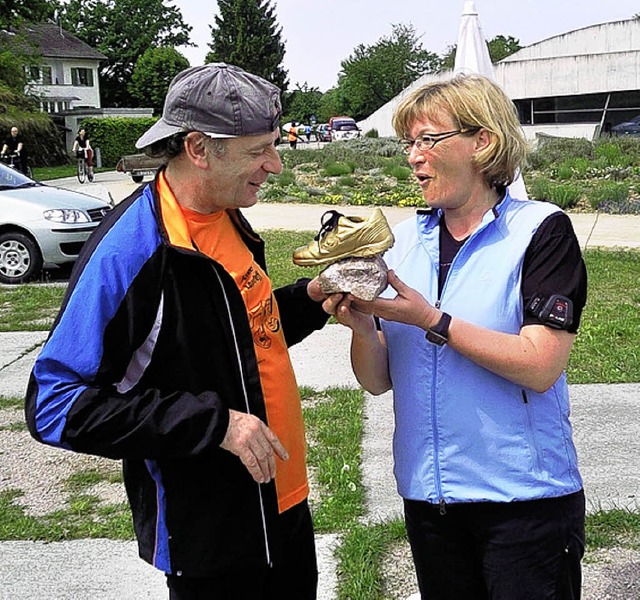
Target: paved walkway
x,y
605,418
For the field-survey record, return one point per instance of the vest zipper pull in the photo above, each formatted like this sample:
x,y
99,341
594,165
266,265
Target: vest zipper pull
x,y
443,507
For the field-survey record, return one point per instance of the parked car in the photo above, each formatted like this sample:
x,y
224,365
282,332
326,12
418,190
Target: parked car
x,y
343,128
139,165
323,132
631,127
41,226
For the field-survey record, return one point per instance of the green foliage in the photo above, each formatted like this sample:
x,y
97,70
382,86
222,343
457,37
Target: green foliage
x,y
375,74
608,191
372,133
287,177
116,136
14,12
246,34
123,30
565,195
615,528
552,151
302,103
400,172
337,169
152,75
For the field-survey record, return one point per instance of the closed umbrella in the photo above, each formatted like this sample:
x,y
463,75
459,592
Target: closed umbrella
x,y
472,56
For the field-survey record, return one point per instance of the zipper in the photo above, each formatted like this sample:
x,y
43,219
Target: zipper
x,y
246,403
434,431
529,431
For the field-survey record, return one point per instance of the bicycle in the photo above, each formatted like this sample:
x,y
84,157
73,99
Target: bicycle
x,y
82,169
13,162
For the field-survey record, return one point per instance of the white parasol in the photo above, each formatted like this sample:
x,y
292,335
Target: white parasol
x,y
472,56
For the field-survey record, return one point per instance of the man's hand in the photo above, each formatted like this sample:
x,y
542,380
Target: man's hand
x,y
254,443
315,291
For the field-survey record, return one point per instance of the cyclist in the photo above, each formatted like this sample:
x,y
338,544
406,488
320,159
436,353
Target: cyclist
x,y
14,145
82,144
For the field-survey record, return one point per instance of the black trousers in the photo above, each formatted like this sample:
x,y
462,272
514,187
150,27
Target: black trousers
x,y
295,579
498,551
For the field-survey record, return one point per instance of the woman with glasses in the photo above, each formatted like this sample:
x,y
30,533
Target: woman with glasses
x,y
473,336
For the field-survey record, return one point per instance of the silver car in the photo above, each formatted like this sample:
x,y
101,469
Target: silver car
x,y
41,226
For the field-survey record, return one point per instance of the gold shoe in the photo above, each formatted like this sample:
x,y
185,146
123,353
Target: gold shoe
x,y
342,237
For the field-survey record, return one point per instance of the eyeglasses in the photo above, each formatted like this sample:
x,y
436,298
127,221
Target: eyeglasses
x,y
427,141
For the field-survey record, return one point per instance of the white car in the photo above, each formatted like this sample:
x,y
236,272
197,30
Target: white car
x,y
41,226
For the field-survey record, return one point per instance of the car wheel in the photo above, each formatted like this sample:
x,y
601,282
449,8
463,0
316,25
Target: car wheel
x,y
137,178
20,258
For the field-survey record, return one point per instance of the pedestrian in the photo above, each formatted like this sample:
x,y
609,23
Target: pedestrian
x,y
485,299
82,145
170,353
292,135
14,146
307,132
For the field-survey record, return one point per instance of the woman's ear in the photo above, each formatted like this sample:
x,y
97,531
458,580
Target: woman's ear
x,y
483,139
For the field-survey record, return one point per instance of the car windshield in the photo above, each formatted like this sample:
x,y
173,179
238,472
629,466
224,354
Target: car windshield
x,y
346,127
10,178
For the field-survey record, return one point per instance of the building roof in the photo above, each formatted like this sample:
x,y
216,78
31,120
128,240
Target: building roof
x,y
54,42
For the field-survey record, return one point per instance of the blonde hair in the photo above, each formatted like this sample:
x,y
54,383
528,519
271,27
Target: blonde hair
x,y
472,101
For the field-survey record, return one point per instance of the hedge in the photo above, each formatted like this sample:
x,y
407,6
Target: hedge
x,y
116,136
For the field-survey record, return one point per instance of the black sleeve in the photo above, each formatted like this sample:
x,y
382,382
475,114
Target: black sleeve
x,y
553,264
300,315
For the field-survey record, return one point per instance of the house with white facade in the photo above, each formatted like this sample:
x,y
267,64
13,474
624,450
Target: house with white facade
x,y
67,77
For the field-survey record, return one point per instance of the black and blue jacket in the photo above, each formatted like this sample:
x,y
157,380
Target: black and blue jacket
x,y
150,350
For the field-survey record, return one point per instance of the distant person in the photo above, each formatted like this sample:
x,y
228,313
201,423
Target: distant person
x,y
171,353
307,132
14,145
292,135
475,331
82,145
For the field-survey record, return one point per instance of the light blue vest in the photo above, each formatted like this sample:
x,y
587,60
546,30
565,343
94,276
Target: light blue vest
x,y
464,434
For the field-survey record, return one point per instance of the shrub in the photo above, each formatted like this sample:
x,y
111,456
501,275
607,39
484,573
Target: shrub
x,y
565,195
552,151
336,169
608,192
116,136
538,188
372,133
347,181
400,172
287,177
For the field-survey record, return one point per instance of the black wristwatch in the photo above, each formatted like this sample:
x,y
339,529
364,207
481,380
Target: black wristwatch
x,y
439,333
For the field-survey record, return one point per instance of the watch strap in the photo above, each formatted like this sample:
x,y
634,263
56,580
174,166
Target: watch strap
x,y
439,333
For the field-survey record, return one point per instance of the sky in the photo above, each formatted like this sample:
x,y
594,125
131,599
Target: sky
x,y
319,34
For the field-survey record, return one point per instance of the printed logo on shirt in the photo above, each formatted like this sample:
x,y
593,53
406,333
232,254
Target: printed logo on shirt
x,y
264,323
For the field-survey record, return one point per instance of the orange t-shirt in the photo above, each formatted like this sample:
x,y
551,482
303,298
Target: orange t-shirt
x,y
215,235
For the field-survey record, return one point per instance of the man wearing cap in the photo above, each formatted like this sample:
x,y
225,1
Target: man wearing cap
x,y
170,352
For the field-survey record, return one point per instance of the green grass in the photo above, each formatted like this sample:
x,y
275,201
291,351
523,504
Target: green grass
x,y
334,418
607,348
47,173
617,528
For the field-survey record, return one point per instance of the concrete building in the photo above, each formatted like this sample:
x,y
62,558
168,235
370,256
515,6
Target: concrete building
x,y
577,84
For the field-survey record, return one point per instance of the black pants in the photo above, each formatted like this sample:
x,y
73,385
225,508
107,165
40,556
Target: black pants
x,y
296,578
498,551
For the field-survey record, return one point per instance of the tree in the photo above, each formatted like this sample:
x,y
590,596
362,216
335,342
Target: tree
x,y
375,74
14,12
152,75
13,55
499,47
304,102
123,30
247,35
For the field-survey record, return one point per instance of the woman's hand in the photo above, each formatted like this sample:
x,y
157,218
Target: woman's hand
x,y
409,306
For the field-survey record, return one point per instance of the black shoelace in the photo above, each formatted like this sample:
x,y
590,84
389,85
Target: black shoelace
x,y
328,224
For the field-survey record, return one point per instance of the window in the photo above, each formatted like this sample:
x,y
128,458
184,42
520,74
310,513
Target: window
x,y
33,73
82,77
47,76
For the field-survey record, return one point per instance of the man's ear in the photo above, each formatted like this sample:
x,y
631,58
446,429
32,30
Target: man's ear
x,y
195,147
